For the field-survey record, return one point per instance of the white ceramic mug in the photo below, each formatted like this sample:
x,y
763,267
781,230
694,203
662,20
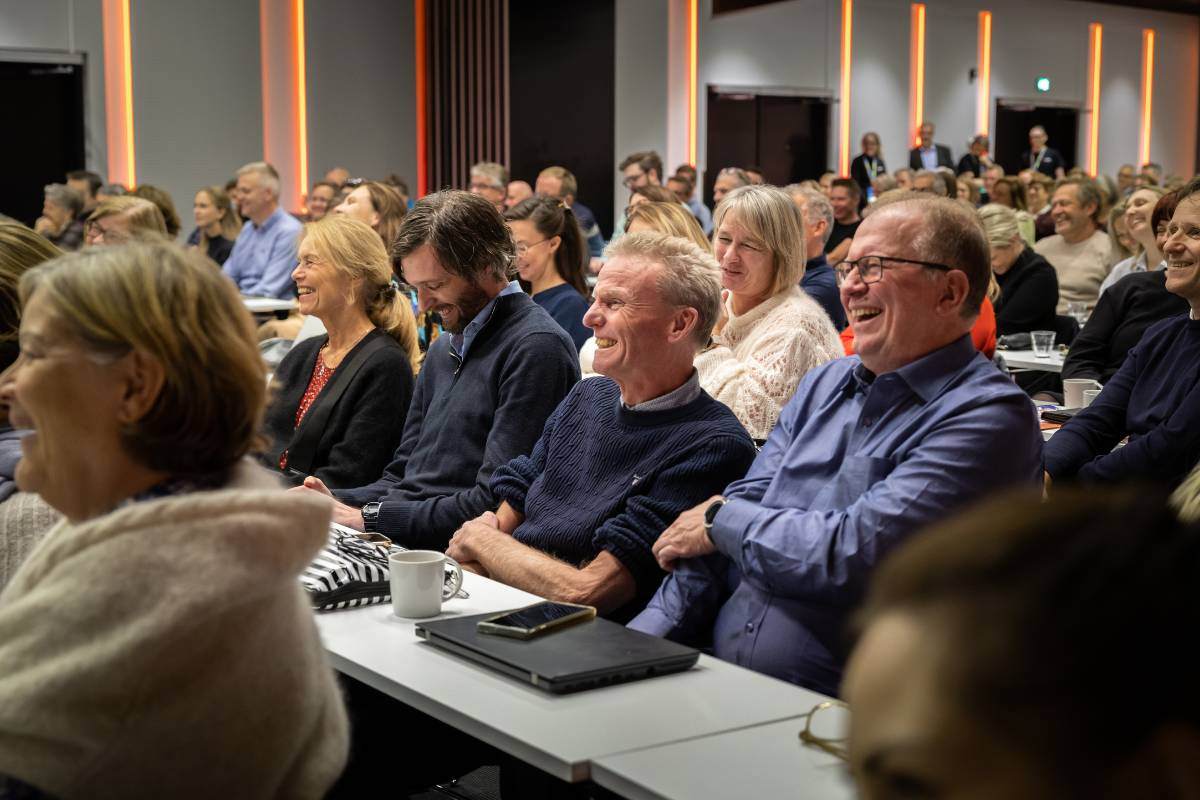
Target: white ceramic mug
x,y
418,579
1089,396
1073,389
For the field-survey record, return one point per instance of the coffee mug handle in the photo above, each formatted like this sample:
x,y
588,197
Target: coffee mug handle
x,y
456,583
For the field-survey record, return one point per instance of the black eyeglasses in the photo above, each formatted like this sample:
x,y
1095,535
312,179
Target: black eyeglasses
x,y
870,268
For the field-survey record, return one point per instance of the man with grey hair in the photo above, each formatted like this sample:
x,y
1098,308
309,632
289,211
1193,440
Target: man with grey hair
x,y
870,450
819,281
60,221
624,454
489,180
264,254
928,180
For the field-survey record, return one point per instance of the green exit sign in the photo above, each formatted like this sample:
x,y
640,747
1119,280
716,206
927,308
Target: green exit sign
x,y
1043,84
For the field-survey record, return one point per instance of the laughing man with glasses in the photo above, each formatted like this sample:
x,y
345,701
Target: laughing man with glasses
x,y
869,450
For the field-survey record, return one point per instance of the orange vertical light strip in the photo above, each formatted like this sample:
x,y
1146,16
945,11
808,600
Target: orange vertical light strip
x,y
693,35
264,50
301,104
422,98
1095,58
844,99
1147,94
916,71
983,101
118,92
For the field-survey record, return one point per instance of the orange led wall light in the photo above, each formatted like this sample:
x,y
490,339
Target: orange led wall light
x,y
916,72
983,100
1147,94
1095,58
118,92
844,98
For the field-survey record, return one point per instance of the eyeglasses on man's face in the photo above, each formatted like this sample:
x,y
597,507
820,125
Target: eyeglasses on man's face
x,y
870,268
632,180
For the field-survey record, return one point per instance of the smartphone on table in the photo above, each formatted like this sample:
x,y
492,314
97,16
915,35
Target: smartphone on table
x,y
536,620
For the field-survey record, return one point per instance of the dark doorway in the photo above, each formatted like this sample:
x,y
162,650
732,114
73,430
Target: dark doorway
x,y
563,77
787,136
44,130
1013,121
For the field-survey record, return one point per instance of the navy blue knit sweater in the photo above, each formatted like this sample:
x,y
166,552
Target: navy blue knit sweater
x,y
1154,399
606,478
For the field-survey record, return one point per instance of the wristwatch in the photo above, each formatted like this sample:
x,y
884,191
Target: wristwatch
x,y
370,515
710,515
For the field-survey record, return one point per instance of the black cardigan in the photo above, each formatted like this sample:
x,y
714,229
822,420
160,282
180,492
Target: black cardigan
x,y
1028,295
1122,314
364,427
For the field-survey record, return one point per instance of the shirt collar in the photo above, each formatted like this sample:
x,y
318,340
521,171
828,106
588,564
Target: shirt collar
x,y
688,391
927,376
460,343
270,221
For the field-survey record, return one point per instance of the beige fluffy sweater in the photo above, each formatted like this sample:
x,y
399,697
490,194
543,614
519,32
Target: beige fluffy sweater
x,y
759,357
167,650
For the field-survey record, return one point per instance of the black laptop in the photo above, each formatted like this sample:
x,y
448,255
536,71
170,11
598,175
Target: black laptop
x,y
584,656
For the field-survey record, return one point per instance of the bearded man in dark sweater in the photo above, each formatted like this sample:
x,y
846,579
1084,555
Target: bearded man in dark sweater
x,y
624,454
485,390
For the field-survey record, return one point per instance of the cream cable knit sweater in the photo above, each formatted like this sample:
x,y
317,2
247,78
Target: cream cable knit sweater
x,y
167,650
760,357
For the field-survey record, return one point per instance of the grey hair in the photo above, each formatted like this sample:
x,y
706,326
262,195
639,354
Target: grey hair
x,y
689,276
496,173
1087,191
267,174
816,206
939,181
736,172
64,197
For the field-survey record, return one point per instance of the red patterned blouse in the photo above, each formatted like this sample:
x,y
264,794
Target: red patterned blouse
x,y
320,376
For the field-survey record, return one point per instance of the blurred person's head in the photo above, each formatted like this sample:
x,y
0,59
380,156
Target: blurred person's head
x,y
926,180
559,183
844,196
990,175
111,190
1121,244
489,180
816,212
987,666
1037,138
826,181
1160,218
550,247
870,145
337,176
258,191
903,177
966,188
755,174
925,134
1003,236
681,187
641,169
671,218
20,249
165,205
120,220
1125,178
1139,223
1038,191
61,204
728,179
318,200
516,192
87,183
652,193
979,145
378,205
212,208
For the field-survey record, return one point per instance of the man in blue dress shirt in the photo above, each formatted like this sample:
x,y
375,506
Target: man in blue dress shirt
x,y
869,450
264,254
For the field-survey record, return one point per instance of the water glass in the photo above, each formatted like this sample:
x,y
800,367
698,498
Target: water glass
x,y
1043,343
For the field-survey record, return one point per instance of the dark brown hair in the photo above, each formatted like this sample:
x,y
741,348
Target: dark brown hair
x,y
466,232
552,217
166,206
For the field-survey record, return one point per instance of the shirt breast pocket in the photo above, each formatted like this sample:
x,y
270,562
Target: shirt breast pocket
x,y
856,477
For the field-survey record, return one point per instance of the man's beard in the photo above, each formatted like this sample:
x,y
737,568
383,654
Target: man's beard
x,y
469,304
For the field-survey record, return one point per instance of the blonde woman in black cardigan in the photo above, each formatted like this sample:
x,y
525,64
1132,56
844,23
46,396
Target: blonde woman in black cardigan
x,y
340,400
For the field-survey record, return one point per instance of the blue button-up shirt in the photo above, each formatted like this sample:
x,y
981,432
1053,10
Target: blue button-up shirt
x,y
460,343
929,157
856,464
264,256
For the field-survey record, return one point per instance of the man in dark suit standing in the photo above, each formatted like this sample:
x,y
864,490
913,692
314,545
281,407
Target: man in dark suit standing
x,y
929,155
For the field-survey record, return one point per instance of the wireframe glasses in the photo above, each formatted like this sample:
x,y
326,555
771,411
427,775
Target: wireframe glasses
x,y
523,248
870,268
836,746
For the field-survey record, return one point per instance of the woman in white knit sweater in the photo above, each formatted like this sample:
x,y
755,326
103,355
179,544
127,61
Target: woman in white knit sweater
x,y
156,642
770,332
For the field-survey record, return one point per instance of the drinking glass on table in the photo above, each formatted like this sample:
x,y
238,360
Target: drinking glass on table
x,y
1043,343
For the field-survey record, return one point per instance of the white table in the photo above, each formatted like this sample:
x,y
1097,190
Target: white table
x,y
762,761
267,305
1025,359
560,735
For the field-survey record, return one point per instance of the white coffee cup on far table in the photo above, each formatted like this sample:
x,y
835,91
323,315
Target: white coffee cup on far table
x,y
418,580
1073,389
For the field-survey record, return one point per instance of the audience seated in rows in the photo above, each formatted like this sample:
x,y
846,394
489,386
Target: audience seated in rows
x,y
819,281
1125,311
869,450
165,205
550,258
560,183
1154,398
59,221
265,252
991,646
353,385
1078,250
1028,284
118,220
217,224
24,516
484,391
770,333
157,642
571,524
1143,252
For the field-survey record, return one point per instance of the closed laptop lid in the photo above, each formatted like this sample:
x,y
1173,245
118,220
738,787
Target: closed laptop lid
x,y
583,650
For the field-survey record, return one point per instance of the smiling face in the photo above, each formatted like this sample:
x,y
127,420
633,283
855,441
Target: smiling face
x,y
205,210
902,316
453,297
359,206
52,380
845,206
1182,251
535,253
1072,220
255,200
631,322
323,291
1138,210
747,266
318,201
723,186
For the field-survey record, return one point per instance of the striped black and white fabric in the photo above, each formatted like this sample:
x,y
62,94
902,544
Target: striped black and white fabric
x,y
347,573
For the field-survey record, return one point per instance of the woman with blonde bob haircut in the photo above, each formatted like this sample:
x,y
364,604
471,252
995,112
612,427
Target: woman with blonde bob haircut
x,y
176,617
770,332
341,399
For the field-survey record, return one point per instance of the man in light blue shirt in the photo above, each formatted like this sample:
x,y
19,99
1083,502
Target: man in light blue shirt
x,y
264,254
871,449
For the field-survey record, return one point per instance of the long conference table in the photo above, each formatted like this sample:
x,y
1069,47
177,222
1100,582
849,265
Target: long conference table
x,y
655,738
